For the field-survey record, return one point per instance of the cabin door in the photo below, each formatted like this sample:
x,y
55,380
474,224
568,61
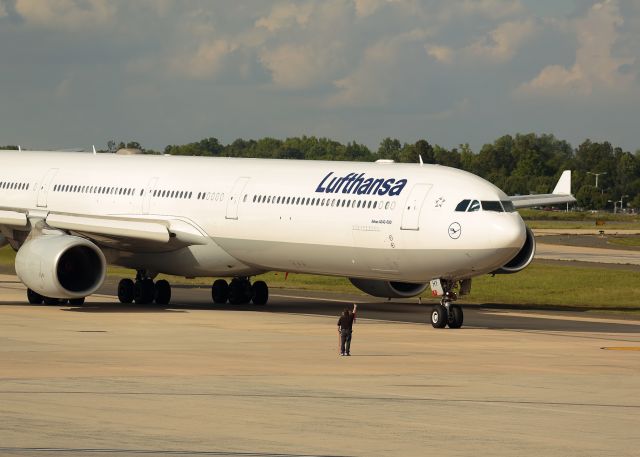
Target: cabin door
x,y
413,206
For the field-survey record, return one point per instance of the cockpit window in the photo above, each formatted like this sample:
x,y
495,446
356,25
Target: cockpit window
x,y
462,206
508,206
492,206
474,206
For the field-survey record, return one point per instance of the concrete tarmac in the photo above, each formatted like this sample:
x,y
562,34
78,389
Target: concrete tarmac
x,y
586,254
192,379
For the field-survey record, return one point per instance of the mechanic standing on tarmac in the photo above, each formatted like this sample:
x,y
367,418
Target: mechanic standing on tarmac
x,y
345,329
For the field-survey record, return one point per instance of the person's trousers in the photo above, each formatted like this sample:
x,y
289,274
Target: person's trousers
x,y
345,341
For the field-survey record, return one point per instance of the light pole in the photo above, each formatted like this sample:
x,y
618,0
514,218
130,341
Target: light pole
x,y
620,201
596,175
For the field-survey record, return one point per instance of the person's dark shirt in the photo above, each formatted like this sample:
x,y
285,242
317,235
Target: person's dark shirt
x,y
346,322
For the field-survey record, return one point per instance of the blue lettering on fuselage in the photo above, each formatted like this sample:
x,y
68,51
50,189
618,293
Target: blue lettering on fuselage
x,y
359,184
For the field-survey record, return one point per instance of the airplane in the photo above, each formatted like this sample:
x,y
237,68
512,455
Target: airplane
x,y
393,229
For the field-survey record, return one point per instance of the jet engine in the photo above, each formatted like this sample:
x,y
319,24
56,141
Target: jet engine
x,y
61,266
3,241
522,259
388,289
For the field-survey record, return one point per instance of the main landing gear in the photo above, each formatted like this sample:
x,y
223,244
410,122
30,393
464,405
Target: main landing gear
x,y
446,313
144,290
239,292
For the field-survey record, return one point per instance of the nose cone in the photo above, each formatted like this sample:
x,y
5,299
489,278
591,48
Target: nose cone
x,y
509,231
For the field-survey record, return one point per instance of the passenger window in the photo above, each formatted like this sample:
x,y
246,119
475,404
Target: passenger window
x,y
492,206
462,206
474,206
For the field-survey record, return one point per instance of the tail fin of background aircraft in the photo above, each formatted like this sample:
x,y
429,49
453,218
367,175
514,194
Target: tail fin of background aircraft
x,y
564,184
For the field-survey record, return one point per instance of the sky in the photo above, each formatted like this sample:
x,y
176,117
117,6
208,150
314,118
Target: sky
x,y
80,72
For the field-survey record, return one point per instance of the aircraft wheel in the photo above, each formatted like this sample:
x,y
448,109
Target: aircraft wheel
x,y
456,316
220,291
144,292
76,301
163,292
260,293
126,290
50,301
34,297
240,291
439,316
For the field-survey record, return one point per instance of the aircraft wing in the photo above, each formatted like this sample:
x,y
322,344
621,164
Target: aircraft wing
x,y
118,232
561,194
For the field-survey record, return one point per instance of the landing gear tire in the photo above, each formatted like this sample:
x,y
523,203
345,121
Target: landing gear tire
x,y
220,291
144,292
439,316
260,293
76,301
50,301
162,292
456,316
240,291
34,297
126,291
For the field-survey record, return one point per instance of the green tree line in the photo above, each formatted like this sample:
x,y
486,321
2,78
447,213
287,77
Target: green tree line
x,y
518,164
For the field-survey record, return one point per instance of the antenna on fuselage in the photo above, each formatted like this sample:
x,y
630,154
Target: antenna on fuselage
x,y
19,148
420,157
94,150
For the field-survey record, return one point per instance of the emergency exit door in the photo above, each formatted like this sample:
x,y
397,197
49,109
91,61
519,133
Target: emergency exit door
x,y
235,197
45,185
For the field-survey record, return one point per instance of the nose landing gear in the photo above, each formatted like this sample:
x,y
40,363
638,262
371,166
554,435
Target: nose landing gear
x,y
446,313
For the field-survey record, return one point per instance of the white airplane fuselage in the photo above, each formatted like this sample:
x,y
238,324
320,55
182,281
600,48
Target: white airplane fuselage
x,y
383,221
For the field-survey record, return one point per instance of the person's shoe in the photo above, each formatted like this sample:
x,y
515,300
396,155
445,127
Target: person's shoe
x,y
348,353
342,353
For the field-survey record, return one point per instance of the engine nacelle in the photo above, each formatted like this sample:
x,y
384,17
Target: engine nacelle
x,y
522,259
388,289
61,266
3,241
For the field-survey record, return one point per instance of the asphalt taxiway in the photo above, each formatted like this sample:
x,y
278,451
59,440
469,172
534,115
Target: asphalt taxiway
x,y
192,379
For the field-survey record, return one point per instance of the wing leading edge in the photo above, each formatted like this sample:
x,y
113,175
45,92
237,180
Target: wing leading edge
x,y
118,232
561,194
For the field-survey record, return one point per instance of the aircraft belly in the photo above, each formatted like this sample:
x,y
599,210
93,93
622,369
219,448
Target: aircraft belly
x,y
192,261
413,264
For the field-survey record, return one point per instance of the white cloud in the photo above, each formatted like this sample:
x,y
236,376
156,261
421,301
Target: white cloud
x,y
492,9
595,65
502,43
66,13
499,45
286,15
442,54
205,63
301,66
379,72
